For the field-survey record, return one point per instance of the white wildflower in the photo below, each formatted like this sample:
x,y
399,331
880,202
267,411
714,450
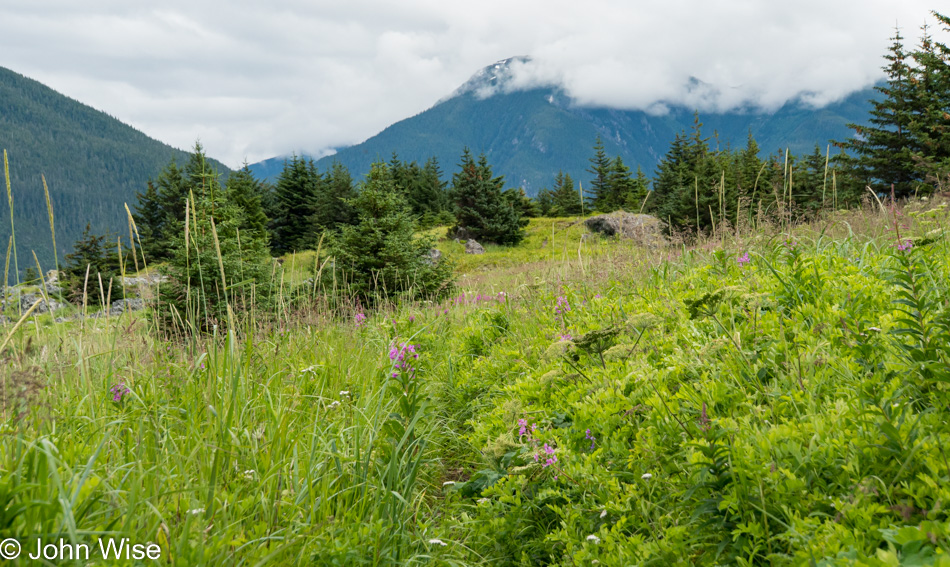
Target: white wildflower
x,y
435,541
249,474
334,404
196,511
646,476
593,538
344,393
603,513
482,500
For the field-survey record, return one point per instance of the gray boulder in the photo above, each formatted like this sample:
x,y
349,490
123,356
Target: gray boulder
x,y
28,300
645,230
472,247
122,305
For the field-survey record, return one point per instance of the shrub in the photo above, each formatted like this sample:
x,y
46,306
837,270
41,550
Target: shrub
x,y
380,256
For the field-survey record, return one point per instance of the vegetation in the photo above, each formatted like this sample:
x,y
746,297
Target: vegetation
x,y
91,273
482,211
380,257
755,391
91,163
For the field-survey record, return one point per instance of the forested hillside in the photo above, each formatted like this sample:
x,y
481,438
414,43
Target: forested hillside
x,y
93,165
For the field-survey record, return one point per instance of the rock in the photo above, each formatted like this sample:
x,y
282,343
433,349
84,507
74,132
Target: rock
x,y
150,279
646,230
3,320
28,300
432,257
122,305
52,277
472,247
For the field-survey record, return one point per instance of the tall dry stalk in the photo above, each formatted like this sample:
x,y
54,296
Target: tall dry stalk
x,y
6,174
52,223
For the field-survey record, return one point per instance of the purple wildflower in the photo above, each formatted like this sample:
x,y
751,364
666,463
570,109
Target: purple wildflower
x,y
743,260
591,438
522,427
118,391
905,246
360,319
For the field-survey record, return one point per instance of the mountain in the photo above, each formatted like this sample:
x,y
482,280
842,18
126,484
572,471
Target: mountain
x,y
528,135
93,164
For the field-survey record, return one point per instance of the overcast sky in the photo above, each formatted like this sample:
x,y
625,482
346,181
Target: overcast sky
x,y
254,80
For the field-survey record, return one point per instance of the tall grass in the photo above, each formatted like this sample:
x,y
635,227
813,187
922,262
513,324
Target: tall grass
x,y
294,439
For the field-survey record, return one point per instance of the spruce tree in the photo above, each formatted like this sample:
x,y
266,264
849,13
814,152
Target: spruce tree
x,y
95,253
296,197
480,207
380,255
214,265
567,200
150,219
602,197
930,124
247,193
881,152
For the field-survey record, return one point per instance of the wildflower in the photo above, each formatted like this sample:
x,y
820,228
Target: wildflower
x,y
360,319
249,474
196,511
591,438
344,393
522,427
593,538
743,260
566,337
482,500
435,541
412,318
905,246
603,513
118,391
646,476
334,404
562,306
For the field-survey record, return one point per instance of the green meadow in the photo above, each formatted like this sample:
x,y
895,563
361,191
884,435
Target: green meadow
x,y
773,397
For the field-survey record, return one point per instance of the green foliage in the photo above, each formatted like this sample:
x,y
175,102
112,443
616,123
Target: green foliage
x,y
95,253
93,165
904,145
380,256
480,206
216,269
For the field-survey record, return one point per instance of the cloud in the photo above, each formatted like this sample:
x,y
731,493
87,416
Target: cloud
x,y
253,80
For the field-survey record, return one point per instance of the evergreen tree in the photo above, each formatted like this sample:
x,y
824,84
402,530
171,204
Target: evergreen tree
x,y
198,294
92,251
380,255
480,207
150,219
247,193
602,196
567,200
930,123
331,202
296,196
881,153
635,198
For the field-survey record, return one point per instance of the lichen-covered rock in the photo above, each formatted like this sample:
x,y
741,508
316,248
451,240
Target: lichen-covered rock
x,y
472,247
645,230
